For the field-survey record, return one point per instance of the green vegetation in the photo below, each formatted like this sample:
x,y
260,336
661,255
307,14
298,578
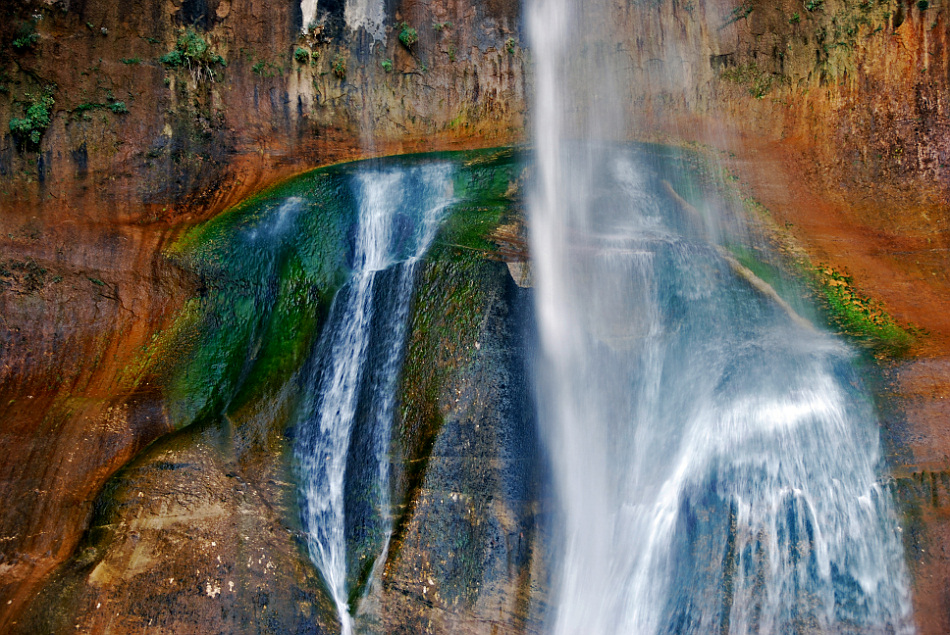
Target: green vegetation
x,y
132,61
510,45
439,26
759,84
265,295
26,37
860,317
814,5
37,119
923,5
795,19
26,41
267,69
112,105
387,65
302,55
739,13
192,52
339,66
408,36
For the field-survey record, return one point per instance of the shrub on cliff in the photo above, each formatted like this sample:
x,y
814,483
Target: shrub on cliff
x,y
192,52
408,36
37,119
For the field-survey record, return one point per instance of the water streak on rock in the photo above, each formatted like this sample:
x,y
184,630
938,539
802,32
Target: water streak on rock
x,y
399,213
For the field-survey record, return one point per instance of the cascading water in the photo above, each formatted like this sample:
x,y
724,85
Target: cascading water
x,y
399,213
715,461
365,14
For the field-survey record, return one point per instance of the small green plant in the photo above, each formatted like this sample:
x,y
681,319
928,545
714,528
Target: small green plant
x,y
814,5
37,119
192,52
739,13
117,107
408,36
439,26
131,61
267,69
923,5
795,19
387,65
302,55
452,53
26,41
510,45
339,66
26,36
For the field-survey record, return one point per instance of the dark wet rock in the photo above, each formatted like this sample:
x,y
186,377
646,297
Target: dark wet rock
x,y
468,552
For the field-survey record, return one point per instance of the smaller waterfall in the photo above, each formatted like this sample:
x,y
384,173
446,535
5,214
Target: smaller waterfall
x,y
308,8
399,214
366,14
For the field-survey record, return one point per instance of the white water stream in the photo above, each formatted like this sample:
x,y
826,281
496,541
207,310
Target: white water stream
x,y
399,214
365,14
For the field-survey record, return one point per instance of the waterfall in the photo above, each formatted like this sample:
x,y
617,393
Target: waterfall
x,y
308,10
399,214
365,14
716,462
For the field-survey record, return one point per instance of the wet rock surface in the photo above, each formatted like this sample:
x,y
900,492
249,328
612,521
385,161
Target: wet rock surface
x,y
834,120
468,554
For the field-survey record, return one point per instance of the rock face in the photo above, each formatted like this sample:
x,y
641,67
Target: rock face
x,y
201,532
119,149
468,555
192,536
832,113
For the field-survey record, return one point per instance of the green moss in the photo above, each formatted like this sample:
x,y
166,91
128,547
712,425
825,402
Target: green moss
x,y
740,13
264,296
863,319
289,333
